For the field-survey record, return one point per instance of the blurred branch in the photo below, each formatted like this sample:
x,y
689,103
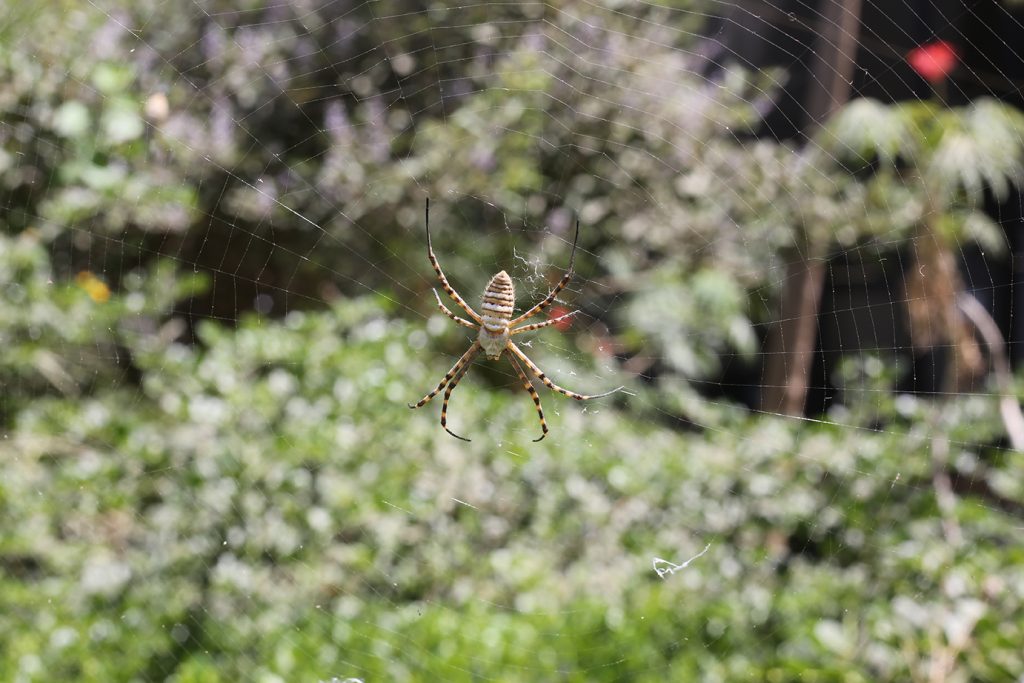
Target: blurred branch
x,y
945,499
49,366
1009,407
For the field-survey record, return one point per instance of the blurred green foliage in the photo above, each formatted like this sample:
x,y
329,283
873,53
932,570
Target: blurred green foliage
x,y
250,511
188,498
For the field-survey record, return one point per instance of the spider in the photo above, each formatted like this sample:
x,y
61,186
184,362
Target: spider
x,y
496,328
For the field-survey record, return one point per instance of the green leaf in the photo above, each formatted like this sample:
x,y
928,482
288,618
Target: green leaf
x,y
71,119
112,79
122,122
866,129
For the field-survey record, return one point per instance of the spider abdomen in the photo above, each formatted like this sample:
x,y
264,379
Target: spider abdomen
x,y
499,301
498,304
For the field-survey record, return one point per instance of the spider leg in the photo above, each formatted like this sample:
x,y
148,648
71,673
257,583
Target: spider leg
x,y
444,309
548,383
440,275
537,326
448,395
474,348
558,288
533,394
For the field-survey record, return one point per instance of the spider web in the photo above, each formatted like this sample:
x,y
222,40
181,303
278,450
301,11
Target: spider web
x,y
219,305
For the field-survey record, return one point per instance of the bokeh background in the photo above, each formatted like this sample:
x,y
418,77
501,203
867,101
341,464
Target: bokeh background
x,y
799,223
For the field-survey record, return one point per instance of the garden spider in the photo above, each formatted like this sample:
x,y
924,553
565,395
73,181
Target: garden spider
x,y
496,328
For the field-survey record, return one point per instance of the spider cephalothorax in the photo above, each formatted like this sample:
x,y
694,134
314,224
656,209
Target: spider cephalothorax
x,y
496,328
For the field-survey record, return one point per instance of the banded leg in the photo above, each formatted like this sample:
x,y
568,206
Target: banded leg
x,y
461,321
466,357
448,395
440,275
533,394
558,288
537,326
548,383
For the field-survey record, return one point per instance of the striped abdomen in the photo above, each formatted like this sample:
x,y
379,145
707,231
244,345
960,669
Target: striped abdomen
x,y
499,301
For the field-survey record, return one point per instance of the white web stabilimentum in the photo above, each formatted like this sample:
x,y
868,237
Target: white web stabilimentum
x,y
304,138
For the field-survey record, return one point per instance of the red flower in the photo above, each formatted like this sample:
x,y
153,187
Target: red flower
x,y
557,312
933,61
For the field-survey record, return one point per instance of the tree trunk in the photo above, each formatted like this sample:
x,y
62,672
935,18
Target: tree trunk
x,y
792,341
791,346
